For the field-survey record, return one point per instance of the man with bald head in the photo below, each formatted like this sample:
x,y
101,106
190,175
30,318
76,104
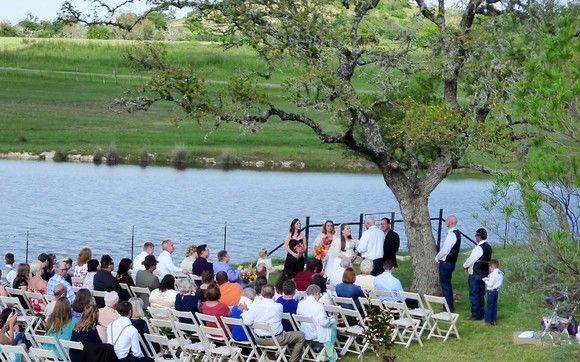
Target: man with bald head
x,y
447,257
370,245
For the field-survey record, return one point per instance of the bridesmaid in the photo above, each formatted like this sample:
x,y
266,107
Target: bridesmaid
x,y
295,245
325,238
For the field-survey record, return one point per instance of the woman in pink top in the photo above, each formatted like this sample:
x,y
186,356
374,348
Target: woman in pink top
x,y
37,285
213,307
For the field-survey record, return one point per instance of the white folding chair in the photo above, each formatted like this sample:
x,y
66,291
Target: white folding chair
x,y
183,317
445,317
204,320
354,331
308,354
422,313
30,296
43,355
99,293
19,292
167,348
370,304
189,332
124,286
13,302
406,328
68,345
228,351
248,341
9,352
160,313
288,317
49,298
157,324
140,292
52,341
277,349
381,294
78,282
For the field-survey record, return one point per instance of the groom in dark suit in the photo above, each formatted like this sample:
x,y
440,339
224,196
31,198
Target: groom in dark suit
x,y
391,243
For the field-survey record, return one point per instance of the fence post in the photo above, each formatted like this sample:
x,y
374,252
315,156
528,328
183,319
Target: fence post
x,y
27,247
361,222
439,227
393,220
225,235
132,241
306,234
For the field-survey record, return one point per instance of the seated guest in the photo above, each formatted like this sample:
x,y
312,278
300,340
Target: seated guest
x,y
258,284
278,288
108,313
37,285
387,282
80,270
200,264
124,337
105,281
190,256
47,266
223,265
321,331
22,278
59,292
137,315
212,305
123,275
247,298
347,289
60,324
164,296
146,279
186,301
92,268
11,333
165,261
365,280
148,249
86,332
58,278
302,279
230,292
320,280
9,271
268,311
69,264
83,299
206,280
289,304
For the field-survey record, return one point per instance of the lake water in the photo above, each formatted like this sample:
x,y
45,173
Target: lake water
x,y
65,206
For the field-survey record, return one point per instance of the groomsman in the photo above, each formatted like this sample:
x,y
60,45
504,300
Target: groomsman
x,y
391,243
477,265
447,257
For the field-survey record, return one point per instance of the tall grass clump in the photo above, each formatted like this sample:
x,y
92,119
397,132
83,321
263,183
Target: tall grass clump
x,y
180,157
145,158
60,156
113,156
98,156
228,160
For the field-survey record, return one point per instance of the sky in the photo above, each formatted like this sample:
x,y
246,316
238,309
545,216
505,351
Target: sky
x,y
16,10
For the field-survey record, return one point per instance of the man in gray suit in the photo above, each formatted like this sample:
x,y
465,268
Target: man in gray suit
x,y
146,278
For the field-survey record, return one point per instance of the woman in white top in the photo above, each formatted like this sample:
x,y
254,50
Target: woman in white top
x,y
164,296
190,256
266,260
92,268
80,270
365,280
340,255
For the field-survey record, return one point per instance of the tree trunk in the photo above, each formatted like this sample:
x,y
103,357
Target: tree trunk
x,y
421,244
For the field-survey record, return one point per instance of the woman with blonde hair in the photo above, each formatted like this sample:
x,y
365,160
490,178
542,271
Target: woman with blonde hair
x,y
86,332
325,238
60,324
37,285
80,270
137,315
190,256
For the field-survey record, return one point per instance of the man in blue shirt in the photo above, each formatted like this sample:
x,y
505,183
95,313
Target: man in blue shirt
x,y
387,282
223,264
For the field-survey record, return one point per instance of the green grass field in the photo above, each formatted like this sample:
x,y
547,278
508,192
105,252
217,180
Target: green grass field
x,y
516,312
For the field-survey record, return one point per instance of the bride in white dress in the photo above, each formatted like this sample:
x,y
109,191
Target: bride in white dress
x,y
340,255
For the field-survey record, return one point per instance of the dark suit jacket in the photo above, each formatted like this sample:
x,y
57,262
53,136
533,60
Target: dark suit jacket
x,y
391,246
105,281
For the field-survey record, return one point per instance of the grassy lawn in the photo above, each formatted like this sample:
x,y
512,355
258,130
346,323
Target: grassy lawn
x,y
516,312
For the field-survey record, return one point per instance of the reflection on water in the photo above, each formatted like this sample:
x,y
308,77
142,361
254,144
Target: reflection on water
x,y
65,206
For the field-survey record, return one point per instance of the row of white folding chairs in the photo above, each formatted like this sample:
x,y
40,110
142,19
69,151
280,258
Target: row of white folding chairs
x,y
37,352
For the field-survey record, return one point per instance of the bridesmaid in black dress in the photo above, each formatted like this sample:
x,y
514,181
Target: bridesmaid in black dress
x,y
295,246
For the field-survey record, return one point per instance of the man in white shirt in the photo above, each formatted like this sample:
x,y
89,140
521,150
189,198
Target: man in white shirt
x,y
9,269
266,310
148,249
477,265
124,337
370,245
165,261
447,257
310,307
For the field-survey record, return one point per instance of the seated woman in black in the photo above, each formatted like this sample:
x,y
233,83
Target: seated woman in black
x,y
86,332
186,301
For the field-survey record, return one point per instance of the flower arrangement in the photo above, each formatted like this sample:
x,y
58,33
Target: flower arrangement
x,y
321,250
299,248
248,275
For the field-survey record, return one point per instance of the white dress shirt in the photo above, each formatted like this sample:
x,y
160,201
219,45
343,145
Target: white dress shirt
x,y
10,275
371,242
138,262
264,311
494,280
126,339
450,240
476,253
165,265
319,331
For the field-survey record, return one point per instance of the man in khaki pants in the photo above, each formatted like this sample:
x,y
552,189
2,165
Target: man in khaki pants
x,y
266,310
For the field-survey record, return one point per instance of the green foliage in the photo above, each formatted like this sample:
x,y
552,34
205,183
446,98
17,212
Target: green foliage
x,y
160,20
379,331
7,30
98,32
30,23
147,56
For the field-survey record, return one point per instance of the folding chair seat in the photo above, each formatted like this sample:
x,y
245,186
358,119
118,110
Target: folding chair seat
x,y
166,328
445,317
309,354
10,352
248,342
354,331
276,348
406,328
46,341
21,295
168,351
228,351
420,312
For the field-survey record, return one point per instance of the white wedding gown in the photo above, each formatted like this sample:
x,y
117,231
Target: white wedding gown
x,y
338,260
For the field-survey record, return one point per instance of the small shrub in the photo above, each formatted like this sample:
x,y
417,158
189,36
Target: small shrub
x,y
378,332
113,157
60,156
98,156
229,160
180,157
145,158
